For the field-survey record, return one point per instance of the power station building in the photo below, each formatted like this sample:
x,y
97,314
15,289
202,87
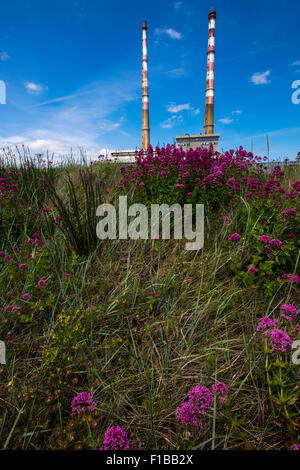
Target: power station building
x,y
187,141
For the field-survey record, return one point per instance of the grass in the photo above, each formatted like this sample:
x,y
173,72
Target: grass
x,y
101,328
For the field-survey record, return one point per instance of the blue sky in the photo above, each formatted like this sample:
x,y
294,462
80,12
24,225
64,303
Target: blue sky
x,y
73,73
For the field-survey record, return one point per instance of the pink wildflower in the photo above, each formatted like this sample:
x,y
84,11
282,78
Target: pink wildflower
x,y
275,244
289,213
264,238
290,312
116,438
252,270
220,388
81,402
15,309
265,322
187,413
279,339
234,237
42,282
295,447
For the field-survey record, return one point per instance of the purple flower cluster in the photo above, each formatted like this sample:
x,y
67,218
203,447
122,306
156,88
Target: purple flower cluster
x,y
202,398
199,402
265,323
42,282
275,244
235,237
291,312
279,339
289,213
252,270
116,438
295,447
220,389
291,278
187,413
201,171
264,238
82,402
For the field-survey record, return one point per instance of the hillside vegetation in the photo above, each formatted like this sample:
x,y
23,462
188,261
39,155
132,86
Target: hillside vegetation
x,y
142,344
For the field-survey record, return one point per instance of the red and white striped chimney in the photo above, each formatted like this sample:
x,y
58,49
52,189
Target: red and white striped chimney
x,y
145,96
210,78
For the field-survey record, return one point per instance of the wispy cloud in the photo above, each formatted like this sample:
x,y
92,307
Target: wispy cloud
x,y
226,120
295,63
177,5
4,56
196,111
176,108
59,99
261,78
169,31
171,121
41,140
230,120
174,73
34,88
83,119
109,126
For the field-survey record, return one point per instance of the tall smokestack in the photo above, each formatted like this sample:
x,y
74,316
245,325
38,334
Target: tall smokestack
x,y
210,78
145,97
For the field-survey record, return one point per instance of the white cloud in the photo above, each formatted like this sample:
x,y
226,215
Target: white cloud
x,y
171,121
260,78
177,5
295,63
59,99
34,88
58,145
108,126
226,120
169,31
237,111
4,56
175,72
176,108
83,119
